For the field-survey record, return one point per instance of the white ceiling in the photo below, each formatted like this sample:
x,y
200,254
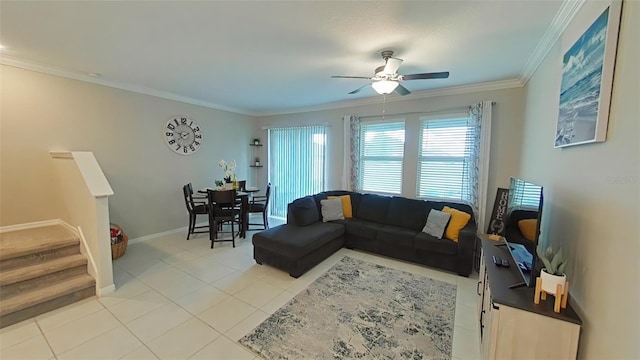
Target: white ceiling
x,y
270,57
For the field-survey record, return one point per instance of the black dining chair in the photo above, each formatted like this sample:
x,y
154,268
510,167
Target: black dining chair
x,y
223,210
242,185
196,205
260,204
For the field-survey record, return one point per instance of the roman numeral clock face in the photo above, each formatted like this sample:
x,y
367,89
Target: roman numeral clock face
x,y
182,135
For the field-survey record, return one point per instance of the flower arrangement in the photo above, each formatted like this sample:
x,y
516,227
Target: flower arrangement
x,y
228,169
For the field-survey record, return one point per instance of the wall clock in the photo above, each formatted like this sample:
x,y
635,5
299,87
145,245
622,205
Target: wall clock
x,y
182,135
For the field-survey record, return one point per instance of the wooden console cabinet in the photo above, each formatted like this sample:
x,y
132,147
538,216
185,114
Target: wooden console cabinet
x,y
511,325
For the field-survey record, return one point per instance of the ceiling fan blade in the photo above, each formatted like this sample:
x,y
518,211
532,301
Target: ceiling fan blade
x,y
358,89
402,90
392,65
435,75
350,77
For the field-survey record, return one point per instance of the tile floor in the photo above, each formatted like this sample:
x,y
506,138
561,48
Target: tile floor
x,y
179,299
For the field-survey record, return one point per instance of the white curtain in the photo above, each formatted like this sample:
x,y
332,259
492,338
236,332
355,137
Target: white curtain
x,y
351,169
480,117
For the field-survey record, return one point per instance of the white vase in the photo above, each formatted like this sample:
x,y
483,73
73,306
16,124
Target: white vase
x,y
550,282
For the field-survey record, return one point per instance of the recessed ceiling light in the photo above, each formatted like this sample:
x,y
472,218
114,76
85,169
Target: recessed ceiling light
x,y
1,46
95,75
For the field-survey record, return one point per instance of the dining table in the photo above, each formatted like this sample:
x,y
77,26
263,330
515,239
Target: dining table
x,y
243,196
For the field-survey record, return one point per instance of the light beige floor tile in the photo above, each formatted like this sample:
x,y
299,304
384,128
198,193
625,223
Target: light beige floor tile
x,y
465,343
184,340
468,298
202,299
157,322
223,348
246,325
160,273
259,293
17,333
111,345
78,331
235,282
208,271
280,279
34,348
466,317
69,313
141,353
138,306
180,257
277,302
124,291
227,314
135,264
176,288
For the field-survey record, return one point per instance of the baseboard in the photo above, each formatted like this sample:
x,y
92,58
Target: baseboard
x,y
160,234
31,225
105,290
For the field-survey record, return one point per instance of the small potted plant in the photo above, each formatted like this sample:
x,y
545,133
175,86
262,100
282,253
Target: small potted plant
x,y
219,184
553,273
256,141
257,161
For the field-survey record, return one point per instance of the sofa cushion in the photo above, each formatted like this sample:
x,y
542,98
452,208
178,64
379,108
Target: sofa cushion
x,y
408,213
355,198
373,208
347,210
363,229
424,241
293,241
331,209
396,235
305,211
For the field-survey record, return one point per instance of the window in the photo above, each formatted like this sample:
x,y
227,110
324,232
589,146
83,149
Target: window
x,y
296,165
524,195
444,158
381,156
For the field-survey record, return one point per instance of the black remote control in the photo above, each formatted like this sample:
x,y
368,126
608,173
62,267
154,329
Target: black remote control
x,y
497,261
505,263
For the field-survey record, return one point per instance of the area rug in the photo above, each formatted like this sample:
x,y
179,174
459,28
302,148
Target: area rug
x,y
360,310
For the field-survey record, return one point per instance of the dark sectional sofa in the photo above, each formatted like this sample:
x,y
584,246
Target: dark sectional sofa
x,y
390,226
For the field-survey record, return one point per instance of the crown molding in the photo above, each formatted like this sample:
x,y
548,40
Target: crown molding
x,y
565,14
375,100
30,65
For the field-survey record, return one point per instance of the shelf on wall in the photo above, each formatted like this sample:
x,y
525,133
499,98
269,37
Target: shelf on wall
x,y
256,166
252,144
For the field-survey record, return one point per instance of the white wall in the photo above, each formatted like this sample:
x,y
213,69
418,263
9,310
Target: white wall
x,y
40,112
592,197
505,145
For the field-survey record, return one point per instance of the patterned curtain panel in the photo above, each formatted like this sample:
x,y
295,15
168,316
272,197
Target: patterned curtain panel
x,y
297,163
354,154
478,169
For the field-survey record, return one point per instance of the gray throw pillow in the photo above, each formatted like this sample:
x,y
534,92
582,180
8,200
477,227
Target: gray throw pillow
x,y
436,223
331,209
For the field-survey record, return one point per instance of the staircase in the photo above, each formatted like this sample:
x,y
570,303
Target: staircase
x,y
41,269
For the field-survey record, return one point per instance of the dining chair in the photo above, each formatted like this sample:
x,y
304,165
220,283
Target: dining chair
x,y
196,205
222,210
260,204
242,185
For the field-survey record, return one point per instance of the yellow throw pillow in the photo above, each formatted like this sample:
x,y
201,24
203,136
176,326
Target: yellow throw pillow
x,y
528,228
347,211
459,219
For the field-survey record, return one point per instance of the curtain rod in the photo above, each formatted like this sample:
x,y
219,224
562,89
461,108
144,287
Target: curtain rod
x,y
460,108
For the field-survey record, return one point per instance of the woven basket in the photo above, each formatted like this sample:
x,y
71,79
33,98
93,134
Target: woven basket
x,y
117,250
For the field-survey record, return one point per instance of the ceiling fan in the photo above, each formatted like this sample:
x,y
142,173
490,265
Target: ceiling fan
x,y
387,80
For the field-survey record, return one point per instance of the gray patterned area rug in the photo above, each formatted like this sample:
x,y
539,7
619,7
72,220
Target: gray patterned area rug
x,y
360,310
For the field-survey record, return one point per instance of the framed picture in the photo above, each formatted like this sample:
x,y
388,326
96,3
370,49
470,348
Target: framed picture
x,y
589,47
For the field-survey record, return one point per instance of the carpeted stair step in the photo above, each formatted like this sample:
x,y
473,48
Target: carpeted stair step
x,y
29,246
30,303
40,274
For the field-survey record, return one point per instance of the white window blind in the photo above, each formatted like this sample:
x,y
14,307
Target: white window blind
x,y
381,156
525,195
296,165
444,158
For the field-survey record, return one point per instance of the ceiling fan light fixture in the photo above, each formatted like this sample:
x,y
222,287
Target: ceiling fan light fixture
x,y
384,87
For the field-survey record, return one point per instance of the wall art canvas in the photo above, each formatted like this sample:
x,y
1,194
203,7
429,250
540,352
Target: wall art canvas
x,y
587,78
